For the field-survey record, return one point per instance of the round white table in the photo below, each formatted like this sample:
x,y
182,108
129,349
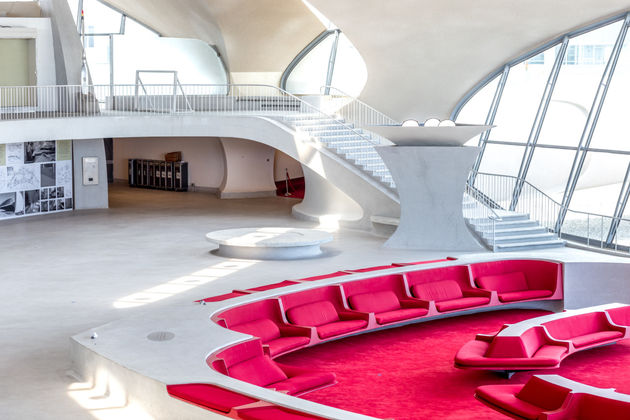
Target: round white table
x,y
269,243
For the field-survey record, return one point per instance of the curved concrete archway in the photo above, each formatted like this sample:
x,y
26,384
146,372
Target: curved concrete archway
x,y
334,186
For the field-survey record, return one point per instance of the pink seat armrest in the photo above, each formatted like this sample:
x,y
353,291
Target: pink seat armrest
x,y
350,314
477,293
286,330
415,303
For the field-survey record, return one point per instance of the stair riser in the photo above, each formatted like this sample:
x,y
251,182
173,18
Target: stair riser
x,y
530,247
507,225
499,234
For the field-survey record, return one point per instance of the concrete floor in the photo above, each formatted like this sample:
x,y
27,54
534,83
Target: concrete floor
x,y
65,273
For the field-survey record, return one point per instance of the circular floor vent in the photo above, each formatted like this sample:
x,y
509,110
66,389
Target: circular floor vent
x,y
161,336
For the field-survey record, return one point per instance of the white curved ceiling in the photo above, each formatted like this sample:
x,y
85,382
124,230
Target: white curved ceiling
x,y
252,35
422,55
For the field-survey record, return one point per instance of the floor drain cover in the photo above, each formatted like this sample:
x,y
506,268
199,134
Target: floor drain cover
x,y
161,336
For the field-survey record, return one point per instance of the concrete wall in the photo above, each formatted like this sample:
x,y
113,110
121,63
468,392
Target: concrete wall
x,y
589,284
284,161
206,165
89,196
40,29
248,169
67,45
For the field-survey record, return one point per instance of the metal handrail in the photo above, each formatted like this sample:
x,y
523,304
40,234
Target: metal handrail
x,y
545,209
62,101
357,116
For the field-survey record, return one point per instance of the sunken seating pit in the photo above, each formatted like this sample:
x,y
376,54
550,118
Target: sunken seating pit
x,y
247,362
448,288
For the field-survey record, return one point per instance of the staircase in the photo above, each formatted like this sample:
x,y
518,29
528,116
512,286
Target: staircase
x,y
344,139
512,232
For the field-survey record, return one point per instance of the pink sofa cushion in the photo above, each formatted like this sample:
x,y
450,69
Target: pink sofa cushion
x,y
575,326
260,370
313,314
340,327
620,316
264,328
543,394
502,283
524,295
461,303
550,352
399,315
383,301
594,338
593,407
283,344
437,290
209,396
503,396
305,382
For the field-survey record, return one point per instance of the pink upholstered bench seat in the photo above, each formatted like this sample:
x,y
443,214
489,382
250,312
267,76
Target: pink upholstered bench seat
x,y
448,295
324,317
271,335
473,354
247,362
585,329
340,327
282,345
524,295
596,337
504,397
528,401
531,350
386,306
209,396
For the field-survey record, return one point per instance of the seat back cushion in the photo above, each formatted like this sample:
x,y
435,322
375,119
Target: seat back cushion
x,y
264,328
620,316
595,407
377,302
533,339
508,282
260,370
575,326
543,394
437,290
313,314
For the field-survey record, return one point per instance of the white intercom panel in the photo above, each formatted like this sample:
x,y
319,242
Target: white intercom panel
x,y
90,171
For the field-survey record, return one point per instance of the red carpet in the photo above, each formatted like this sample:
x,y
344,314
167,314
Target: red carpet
x,y
408,373
296,188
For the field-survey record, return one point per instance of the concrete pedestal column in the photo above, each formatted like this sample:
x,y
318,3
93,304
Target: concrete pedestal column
x,y
430,183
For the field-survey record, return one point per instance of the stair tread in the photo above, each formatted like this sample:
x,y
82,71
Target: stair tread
x,y
533,243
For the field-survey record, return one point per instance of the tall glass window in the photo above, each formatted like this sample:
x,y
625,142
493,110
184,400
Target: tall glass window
x,y
310,74
574,93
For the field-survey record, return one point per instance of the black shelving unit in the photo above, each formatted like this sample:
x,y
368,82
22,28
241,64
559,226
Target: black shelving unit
x,y
158,174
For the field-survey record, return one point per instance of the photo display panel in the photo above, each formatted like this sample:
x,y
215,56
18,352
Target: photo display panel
x,y
35,178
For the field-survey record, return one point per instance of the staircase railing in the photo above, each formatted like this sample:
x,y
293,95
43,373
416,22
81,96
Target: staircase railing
x,y
355,110
479,207
587,228
65,101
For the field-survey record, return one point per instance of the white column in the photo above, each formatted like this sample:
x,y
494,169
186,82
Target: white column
x,y
430,183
